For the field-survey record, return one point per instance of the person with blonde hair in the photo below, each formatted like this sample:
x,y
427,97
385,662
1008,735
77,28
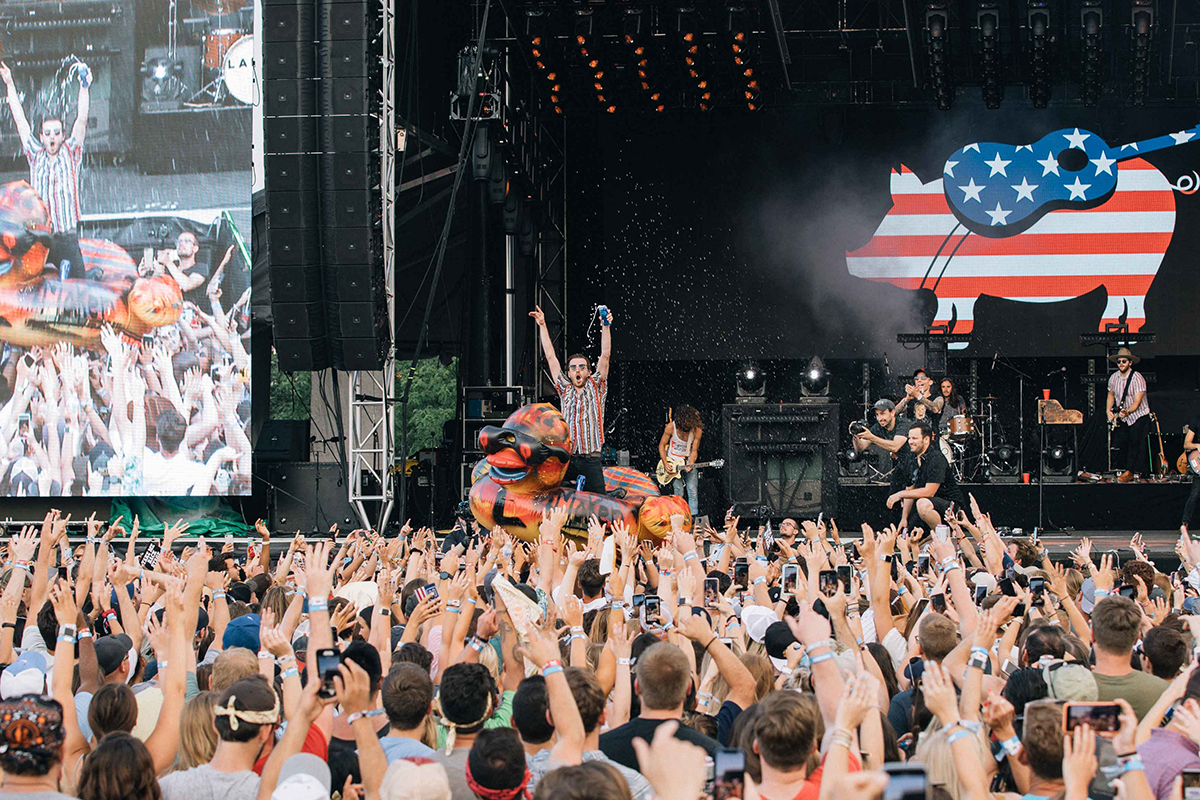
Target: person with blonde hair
x,y
197,736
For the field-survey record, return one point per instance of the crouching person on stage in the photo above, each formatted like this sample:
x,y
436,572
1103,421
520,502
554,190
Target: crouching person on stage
x,y
931,486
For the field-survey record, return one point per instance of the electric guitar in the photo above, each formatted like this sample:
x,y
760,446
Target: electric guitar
x,y
664,477
999,190
1188,462
1160,470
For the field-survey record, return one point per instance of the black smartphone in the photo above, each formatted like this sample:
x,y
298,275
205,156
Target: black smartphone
x,y
1019,611
854,554
1104,718
1128,590
845,573
729,773
923,563
790,580
712,590
1191,783
150,557
907,780
741,573
1007,587
938,603
653,606
911,566
638,599
827,582
980,593
895,568
1037,587
328,661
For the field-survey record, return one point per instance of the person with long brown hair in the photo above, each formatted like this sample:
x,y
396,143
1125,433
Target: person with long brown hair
x,y
678,449
120,768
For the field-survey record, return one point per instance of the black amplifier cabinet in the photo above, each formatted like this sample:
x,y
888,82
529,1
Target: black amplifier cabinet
x,y
39,35
782,458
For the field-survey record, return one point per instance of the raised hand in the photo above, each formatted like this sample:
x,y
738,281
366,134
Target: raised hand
x,y
939,693
63,601
173,532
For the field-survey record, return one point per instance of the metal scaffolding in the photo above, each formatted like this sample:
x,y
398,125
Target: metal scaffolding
x,y
371,441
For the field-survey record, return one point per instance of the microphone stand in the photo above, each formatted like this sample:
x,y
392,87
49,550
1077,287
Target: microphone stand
x,y
1021,411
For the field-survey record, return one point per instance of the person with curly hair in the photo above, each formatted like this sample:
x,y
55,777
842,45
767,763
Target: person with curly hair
x,y
678,449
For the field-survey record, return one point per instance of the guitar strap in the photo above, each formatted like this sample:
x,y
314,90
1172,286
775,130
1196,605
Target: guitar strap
x,y
1125,391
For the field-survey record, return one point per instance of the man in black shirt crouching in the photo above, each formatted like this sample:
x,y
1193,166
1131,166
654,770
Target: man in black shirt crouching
x,y
931,486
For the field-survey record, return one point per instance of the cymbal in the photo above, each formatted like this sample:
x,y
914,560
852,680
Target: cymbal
x,y
989,397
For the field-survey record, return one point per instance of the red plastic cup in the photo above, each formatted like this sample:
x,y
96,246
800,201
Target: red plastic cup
x,y
1024,477
1045,394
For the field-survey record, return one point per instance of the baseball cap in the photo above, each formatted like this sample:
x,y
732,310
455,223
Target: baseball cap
x,y
756,620
1087,599
778,639
111,652
243,632
883,404
26,675
1069,681
304,776
240,591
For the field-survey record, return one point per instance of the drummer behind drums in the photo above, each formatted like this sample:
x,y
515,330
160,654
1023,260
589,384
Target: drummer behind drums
x,y
886,440
948,404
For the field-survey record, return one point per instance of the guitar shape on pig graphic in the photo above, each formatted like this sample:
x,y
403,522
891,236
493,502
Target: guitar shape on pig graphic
x,y
1001,190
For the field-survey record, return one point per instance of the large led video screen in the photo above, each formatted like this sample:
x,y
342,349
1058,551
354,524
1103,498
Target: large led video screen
x,y
125,180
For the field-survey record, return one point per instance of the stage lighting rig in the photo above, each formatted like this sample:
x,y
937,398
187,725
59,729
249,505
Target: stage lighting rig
x,y
751,384
1004,461
161,80
1141,32
937,49
815,381
537,37
637,41
1039,57
598,74
688,31
1057,461
988,19
739,29
1091,27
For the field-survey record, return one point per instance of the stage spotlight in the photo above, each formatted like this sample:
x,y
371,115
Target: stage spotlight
x,y
1092,23
1005,460
853,463
937,46
1057,461
751,384
815,381
161,82
988,17
1141,31
1039,57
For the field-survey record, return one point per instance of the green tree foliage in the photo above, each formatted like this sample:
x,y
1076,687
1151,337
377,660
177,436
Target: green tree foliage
x,y
291,395
430,404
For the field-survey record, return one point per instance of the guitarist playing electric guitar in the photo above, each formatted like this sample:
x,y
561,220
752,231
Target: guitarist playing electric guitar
x,y
1191,451
678,448
1129,413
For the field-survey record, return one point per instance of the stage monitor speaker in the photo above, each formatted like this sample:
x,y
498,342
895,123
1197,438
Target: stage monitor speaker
x,y
309,498
293,209
296,284
781,459
298,320
289,59
302,355
289,22
282,440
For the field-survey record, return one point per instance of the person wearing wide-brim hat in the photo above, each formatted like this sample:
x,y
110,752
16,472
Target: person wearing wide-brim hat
x,y
1129,413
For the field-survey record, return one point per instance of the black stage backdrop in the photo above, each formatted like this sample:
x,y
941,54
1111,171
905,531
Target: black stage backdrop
x,y
731,236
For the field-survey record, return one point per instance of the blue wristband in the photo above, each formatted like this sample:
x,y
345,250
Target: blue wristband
x,y
818,659
548,671
759,580
954,737
317,604
1129,766
289,673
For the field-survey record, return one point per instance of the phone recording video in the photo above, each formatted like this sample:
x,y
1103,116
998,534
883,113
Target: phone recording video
x,y
906,781
638,599
1008,588
1104,718
712,590
827,582
980,593
1037,588
729,773
790,581
941,533
328,661
1191,783
844,575
922,563
1129,591
653,606
741,573
938,603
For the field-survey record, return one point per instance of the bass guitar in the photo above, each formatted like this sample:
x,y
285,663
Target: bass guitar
x,y
665,477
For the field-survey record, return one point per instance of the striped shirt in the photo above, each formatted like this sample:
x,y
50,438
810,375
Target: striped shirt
x,y
56,180
584,411
1116,385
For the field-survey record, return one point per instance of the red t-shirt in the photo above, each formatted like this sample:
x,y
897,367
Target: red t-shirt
x,y
812,786
314,742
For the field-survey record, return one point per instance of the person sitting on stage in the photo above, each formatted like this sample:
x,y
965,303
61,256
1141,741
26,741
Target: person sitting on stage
x,y
886,439
1128,410
582,394
931,487
678,449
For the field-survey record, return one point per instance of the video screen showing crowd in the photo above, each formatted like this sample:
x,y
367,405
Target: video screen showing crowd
x,y
124,367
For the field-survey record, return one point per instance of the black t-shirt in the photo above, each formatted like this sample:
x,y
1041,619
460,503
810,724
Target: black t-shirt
x,y
881,458
617,744
1194,426
933,468
343,757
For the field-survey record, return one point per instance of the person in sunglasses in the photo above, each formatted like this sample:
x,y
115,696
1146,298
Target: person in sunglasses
x,y
1129,412
582,394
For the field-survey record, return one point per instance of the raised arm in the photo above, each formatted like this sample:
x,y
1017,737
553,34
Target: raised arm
x,y
605,345
14,105
548,346
79,130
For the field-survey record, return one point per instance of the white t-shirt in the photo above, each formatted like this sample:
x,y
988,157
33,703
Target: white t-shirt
x,y
172,477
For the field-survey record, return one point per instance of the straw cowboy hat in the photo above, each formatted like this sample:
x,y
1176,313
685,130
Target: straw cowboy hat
x,y
1124,353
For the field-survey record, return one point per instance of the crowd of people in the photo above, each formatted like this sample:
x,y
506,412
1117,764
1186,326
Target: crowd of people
x,y
952,664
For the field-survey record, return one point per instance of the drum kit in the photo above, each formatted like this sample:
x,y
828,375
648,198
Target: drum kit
x,y
966,439
228,59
